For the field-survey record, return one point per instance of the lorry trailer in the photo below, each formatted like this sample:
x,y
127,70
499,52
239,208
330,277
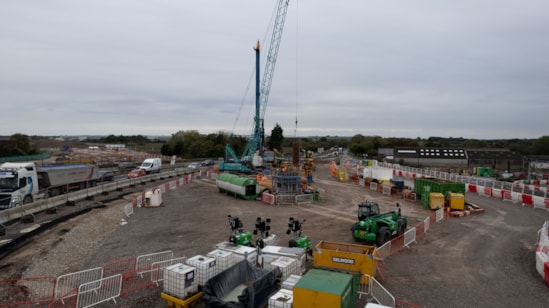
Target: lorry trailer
x,y
22,183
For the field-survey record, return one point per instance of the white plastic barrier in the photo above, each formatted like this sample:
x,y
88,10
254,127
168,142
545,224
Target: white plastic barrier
x,y
542,251
439,215
409,237
427,224
128,210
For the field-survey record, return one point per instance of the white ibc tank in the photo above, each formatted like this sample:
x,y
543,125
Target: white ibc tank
x,y
205,268
153,198
225,259
179,280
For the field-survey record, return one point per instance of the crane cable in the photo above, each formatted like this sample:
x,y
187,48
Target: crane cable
x,y
296,66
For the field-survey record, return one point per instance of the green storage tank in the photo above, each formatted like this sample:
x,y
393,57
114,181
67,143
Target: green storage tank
x,y
424,186
326,288
239,186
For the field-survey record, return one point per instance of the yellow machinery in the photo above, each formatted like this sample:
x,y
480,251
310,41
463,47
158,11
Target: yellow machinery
x,y
436,201
346,257
456,201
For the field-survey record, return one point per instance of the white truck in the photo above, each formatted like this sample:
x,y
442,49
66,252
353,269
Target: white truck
x,y
22,183
151,165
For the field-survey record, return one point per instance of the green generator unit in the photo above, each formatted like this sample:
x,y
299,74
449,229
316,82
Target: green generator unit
x,y
326,288
424,186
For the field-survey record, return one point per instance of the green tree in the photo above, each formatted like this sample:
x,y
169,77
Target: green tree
x,y
540,146
23,144
277,138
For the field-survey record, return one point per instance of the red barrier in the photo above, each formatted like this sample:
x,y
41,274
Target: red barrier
x,y
177,183
506,195
527,200
267,198
27,291
472,188
397,244
488,191
402,303
546,202
420,230
119,267
134,281
167,187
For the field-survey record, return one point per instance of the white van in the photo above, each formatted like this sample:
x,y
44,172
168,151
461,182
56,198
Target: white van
x,y
151,165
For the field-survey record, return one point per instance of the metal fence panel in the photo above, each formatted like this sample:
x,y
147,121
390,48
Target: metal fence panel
x,y
66,283
102,290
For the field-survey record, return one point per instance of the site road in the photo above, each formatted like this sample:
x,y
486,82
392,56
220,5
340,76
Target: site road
x,y
483,260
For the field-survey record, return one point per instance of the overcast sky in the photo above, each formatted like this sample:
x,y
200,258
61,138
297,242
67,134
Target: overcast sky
x,y
401,68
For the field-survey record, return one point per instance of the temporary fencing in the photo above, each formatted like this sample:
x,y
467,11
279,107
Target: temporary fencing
x,y
374,291
542,252
157,273
99,291
527,194
144,262
140,277
68,282
26,291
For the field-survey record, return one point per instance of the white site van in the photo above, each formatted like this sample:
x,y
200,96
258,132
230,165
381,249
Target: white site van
x,y
151,165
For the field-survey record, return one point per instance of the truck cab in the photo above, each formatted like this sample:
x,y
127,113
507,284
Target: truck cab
x,y
18,183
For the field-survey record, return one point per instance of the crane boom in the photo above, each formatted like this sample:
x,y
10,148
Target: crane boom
x,y
256,140
262,95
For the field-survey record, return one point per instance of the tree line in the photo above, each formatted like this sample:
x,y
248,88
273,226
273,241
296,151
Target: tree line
x,y
191,144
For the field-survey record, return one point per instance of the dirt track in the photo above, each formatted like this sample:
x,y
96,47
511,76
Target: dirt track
x,y
463,262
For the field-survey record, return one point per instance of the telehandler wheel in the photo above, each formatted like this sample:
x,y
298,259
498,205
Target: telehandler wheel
x,y
401,227
383,236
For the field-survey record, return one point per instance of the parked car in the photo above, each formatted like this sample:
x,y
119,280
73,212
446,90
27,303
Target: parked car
x,y
106,176
193,166
136,173
207,162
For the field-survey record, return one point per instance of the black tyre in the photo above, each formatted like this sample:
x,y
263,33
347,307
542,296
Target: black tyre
x,y
383,236
232,239
27,199
292,243
401,227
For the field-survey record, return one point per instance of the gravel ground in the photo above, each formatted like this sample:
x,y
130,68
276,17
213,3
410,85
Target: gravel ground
x,y
462,262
